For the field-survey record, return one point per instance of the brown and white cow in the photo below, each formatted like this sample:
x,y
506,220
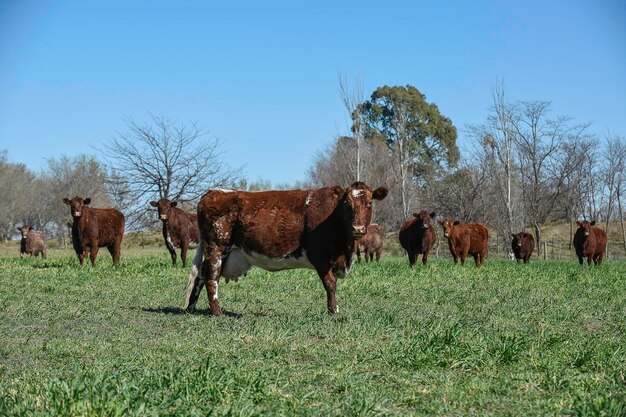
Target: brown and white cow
x,y
590,242
179,228
417,236
33,242
371,244
278,230
94,228
464,239
523,245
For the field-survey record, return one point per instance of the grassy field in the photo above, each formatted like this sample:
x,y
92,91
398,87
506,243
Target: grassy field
x,y
543,339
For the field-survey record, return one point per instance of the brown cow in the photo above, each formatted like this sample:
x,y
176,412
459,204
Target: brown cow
x,y
278,230
417,236
523,245
371,244
33,242
94,228
464,239
590,242
179,228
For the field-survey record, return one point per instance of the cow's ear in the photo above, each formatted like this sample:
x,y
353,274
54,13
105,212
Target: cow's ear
x,y
432,215
513,236
578,223
593,223
174,204
154,203
415,215
456,222
19,229
440,222
86,201
66,201
380,193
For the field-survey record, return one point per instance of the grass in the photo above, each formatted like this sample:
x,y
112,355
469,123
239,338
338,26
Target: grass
x,y
543,339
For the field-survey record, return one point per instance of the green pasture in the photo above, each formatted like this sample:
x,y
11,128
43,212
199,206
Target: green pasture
x,y
507,340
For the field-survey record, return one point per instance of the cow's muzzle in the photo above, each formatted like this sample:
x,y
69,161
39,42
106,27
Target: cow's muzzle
x,y
425,226
358,231
77,214
586,233
163,217
446,234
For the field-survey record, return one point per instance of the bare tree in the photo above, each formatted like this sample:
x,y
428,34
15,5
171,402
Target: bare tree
x,y
163,159
543,160
352,98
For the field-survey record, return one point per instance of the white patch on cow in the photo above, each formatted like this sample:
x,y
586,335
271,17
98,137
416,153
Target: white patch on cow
x,y
215,286
309,198
357,193
238,262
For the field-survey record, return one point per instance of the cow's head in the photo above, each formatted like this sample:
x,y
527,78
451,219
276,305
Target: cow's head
x,y
76,205
164,206
356,207
447,225
423,218
24,230
586,226
517,239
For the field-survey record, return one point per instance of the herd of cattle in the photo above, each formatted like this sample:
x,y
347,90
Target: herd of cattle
x,y
321,229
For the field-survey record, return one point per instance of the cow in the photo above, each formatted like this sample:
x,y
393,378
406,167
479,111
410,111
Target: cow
x,y
590,242
417,236
278,230
33,243
523,245
371,244
94,228
179,228
464,239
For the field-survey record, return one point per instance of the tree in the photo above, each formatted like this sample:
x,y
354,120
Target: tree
x,y
15,185
163,159
352,99
543,159
419,137
495,146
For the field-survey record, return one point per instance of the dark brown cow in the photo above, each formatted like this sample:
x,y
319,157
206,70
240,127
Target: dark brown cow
x,y
94,228
523,245
278,230
371,244
417,236
464,239
33,242
590,242
179,227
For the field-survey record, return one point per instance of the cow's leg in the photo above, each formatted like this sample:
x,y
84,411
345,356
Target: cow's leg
x,y
412,259
211,270
93,253
456,259
183,252
463,256
580,260
425,257
378,255
358,253
330,285
81,257
589,260
476,261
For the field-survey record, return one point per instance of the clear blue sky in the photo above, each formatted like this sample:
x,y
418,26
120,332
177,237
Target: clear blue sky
x,y
263,76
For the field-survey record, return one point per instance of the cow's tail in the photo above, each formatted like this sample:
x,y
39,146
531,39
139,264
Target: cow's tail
x,y
191,296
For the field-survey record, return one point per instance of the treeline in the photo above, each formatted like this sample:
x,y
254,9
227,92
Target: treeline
x,y
523,167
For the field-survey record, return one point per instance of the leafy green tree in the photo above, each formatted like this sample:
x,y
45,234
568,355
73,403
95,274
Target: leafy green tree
x,y
422,140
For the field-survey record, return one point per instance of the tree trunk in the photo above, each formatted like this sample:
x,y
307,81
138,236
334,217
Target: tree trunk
x,y
621,219
538,238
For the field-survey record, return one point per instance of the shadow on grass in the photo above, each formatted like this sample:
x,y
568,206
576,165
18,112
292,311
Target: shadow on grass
x,y
180,311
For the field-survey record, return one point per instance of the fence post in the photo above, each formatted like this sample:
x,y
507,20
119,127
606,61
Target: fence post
x,y
545,250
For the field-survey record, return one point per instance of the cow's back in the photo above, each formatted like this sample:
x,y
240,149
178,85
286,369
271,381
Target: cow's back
x,y
270,223
108,225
